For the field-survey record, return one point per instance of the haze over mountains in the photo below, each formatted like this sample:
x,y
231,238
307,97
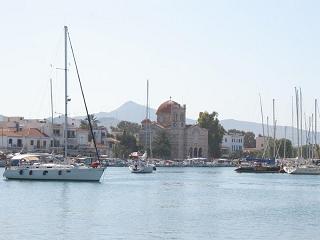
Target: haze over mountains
x,y
134,112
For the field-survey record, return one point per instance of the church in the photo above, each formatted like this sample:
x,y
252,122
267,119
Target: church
x,y
187,141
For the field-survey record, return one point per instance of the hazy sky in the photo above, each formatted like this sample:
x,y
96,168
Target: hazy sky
x,y
209,55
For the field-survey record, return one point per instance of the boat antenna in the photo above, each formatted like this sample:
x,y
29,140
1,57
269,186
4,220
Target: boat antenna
x,y
84,100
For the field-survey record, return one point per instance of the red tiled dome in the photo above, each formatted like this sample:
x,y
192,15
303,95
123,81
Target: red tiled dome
x,y
167,106
145,121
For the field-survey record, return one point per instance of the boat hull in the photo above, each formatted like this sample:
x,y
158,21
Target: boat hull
x,y
60,174
141,169
258,169
303,170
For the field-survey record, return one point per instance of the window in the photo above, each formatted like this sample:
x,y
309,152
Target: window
x,y
31,142
19,142
56,132
10,141
225,140
44,144
71,134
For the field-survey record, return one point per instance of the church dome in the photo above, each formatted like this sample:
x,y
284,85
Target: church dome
x,y
167,106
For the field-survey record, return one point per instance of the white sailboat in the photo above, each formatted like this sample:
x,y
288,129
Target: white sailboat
x,y
307,168
59,171
142,165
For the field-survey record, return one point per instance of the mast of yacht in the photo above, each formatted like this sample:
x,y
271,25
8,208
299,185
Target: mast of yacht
x,y
262,122
315,126
297,109
292,122
66,93
285,141
312,137
301,121
274,131
51,114
150,132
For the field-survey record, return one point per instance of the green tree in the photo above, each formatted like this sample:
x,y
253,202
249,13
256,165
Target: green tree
x,y
84,124
235,131
215,132
161,146
280,148
128,127
127,145
249,140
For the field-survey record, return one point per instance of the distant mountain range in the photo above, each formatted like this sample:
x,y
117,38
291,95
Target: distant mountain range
x,y
134,112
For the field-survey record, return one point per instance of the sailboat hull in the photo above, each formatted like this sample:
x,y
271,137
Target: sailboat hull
x,y
62,174
141,169
303,170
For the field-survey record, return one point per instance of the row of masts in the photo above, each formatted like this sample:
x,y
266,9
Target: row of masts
x,y
310,129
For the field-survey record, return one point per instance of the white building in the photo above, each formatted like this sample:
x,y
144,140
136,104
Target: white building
x,y
28,139
232,142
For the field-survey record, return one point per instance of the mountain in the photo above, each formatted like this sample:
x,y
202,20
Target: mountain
x,y
129,111
257,129
242,125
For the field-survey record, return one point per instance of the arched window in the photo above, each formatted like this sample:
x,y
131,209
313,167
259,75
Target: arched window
x,y
195,152
200,152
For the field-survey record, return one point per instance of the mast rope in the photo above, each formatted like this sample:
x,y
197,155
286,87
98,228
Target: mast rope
x,y
84,100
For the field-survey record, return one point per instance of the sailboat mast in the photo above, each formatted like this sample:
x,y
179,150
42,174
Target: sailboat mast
x,y
297,109
147,124
261,116
150,137
51,112
292,124
66,92
301,121
315,126
285,141
274,131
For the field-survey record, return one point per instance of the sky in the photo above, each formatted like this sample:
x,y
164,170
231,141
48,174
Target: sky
x,y
210,55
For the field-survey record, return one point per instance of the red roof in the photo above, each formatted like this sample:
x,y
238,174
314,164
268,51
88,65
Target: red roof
x,y
29,132
167,106
145,121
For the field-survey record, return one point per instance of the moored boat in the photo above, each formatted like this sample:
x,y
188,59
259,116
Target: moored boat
x,y
303,170
59,171
258,168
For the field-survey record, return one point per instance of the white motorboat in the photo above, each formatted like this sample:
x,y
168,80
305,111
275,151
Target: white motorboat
x,y
303,170
61,171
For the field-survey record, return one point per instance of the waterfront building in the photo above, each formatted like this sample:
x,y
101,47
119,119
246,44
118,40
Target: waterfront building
x,y
232,142
187,141
261,142
27,139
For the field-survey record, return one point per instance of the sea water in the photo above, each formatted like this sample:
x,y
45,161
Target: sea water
x,y
172,203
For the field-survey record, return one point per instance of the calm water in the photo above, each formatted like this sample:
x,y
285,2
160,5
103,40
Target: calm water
x,y
173,203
